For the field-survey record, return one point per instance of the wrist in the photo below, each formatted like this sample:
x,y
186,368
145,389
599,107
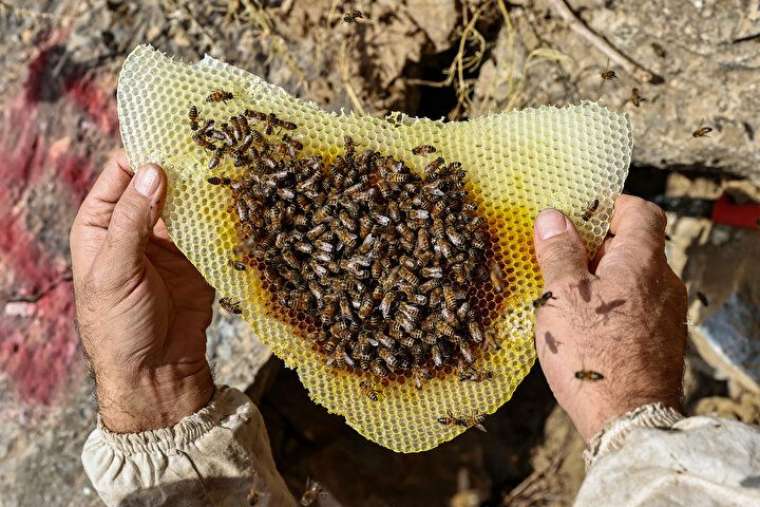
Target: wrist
x,y
604,412
154,398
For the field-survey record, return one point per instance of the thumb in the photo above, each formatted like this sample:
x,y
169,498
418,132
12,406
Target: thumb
x,y
134,216
559,249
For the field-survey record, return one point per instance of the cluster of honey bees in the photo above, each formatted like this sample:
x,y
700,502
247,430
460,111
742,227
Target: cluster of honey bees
x,y
378,262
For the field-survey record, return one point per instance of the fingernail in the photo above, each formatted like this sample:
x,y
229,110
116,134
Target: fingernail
x,y
146,180
551,222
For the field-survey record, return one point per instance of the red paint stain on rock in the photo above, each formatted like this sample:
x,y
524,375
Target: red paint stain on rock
x,y
38,340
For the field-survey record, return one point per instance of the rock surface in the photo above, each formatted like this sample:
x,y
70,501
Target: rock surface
x,y
708,48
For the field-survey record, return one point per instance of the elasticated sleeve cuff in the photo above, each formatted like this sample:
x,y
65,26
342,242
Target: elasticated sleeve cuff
x,y
217,456
612,436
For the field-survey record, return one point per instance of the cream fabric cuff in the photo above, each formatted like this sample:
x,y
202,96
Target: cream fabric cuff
x,y
166,440
612,436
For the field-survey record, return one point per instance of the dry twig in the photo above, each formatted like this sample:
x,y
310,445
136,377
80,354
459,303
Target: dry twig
x,y
346,78
575,23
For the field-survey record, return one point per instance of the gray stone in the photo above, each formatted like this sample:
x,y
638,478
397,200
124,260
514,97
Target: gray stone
x,y
710,73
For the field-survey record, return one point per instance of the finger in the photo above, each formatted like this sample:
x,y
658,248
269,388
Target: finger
x,y
638,220
91,222
98,205
604,248
133,219
559,249
638,227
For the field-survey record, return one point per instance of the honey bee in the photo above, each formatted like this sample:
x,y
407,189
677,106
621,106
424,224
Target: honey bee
x,y
207,127
204,143
390,359
448,419
433,167
192,114
439,230
256,115
230,305
438,208
703,298
589,375
346,220
463,310
215,180
419,375
316,231
590,210
456,239
443,328
241,159
475,420
464,349
475,332
286,194
354,16
468,373
419,214
541,301
496,278
313,490
215,159
219,95
636,99
387,302
413,312
408,276
608,74
702,132
659,50
423,149
369,391
449,297
239,266
378,368
237,128
365,308
271,123
293,143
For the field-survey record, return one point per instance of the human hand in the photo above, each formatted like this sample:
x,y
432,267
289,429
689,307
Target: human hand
x,y
622,316
142,308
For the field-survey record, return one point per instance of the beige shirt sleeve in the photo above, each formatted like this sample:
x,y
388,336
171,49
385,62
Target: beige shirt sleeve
x,y
655,456
219,456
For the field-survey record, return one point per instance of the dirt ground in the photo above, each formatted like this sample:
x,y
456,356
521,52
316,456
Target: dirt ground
x,y
452,59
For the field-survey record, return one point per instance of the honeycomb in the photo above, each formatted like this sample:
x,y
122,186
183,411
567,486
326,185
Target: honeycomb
x,y
516,164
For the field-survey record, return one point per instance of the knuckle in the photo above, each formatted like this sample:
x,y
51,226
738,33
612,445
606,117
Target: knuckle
x,y
656,215
126,215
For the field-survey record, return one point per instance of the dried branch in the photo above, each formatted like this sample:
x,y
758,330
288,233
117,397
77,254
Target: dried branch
x,y
575,23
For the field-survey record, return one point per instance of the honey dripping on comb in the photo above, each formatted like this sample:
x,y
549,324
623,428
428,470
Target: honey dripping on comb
x,y
358,254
